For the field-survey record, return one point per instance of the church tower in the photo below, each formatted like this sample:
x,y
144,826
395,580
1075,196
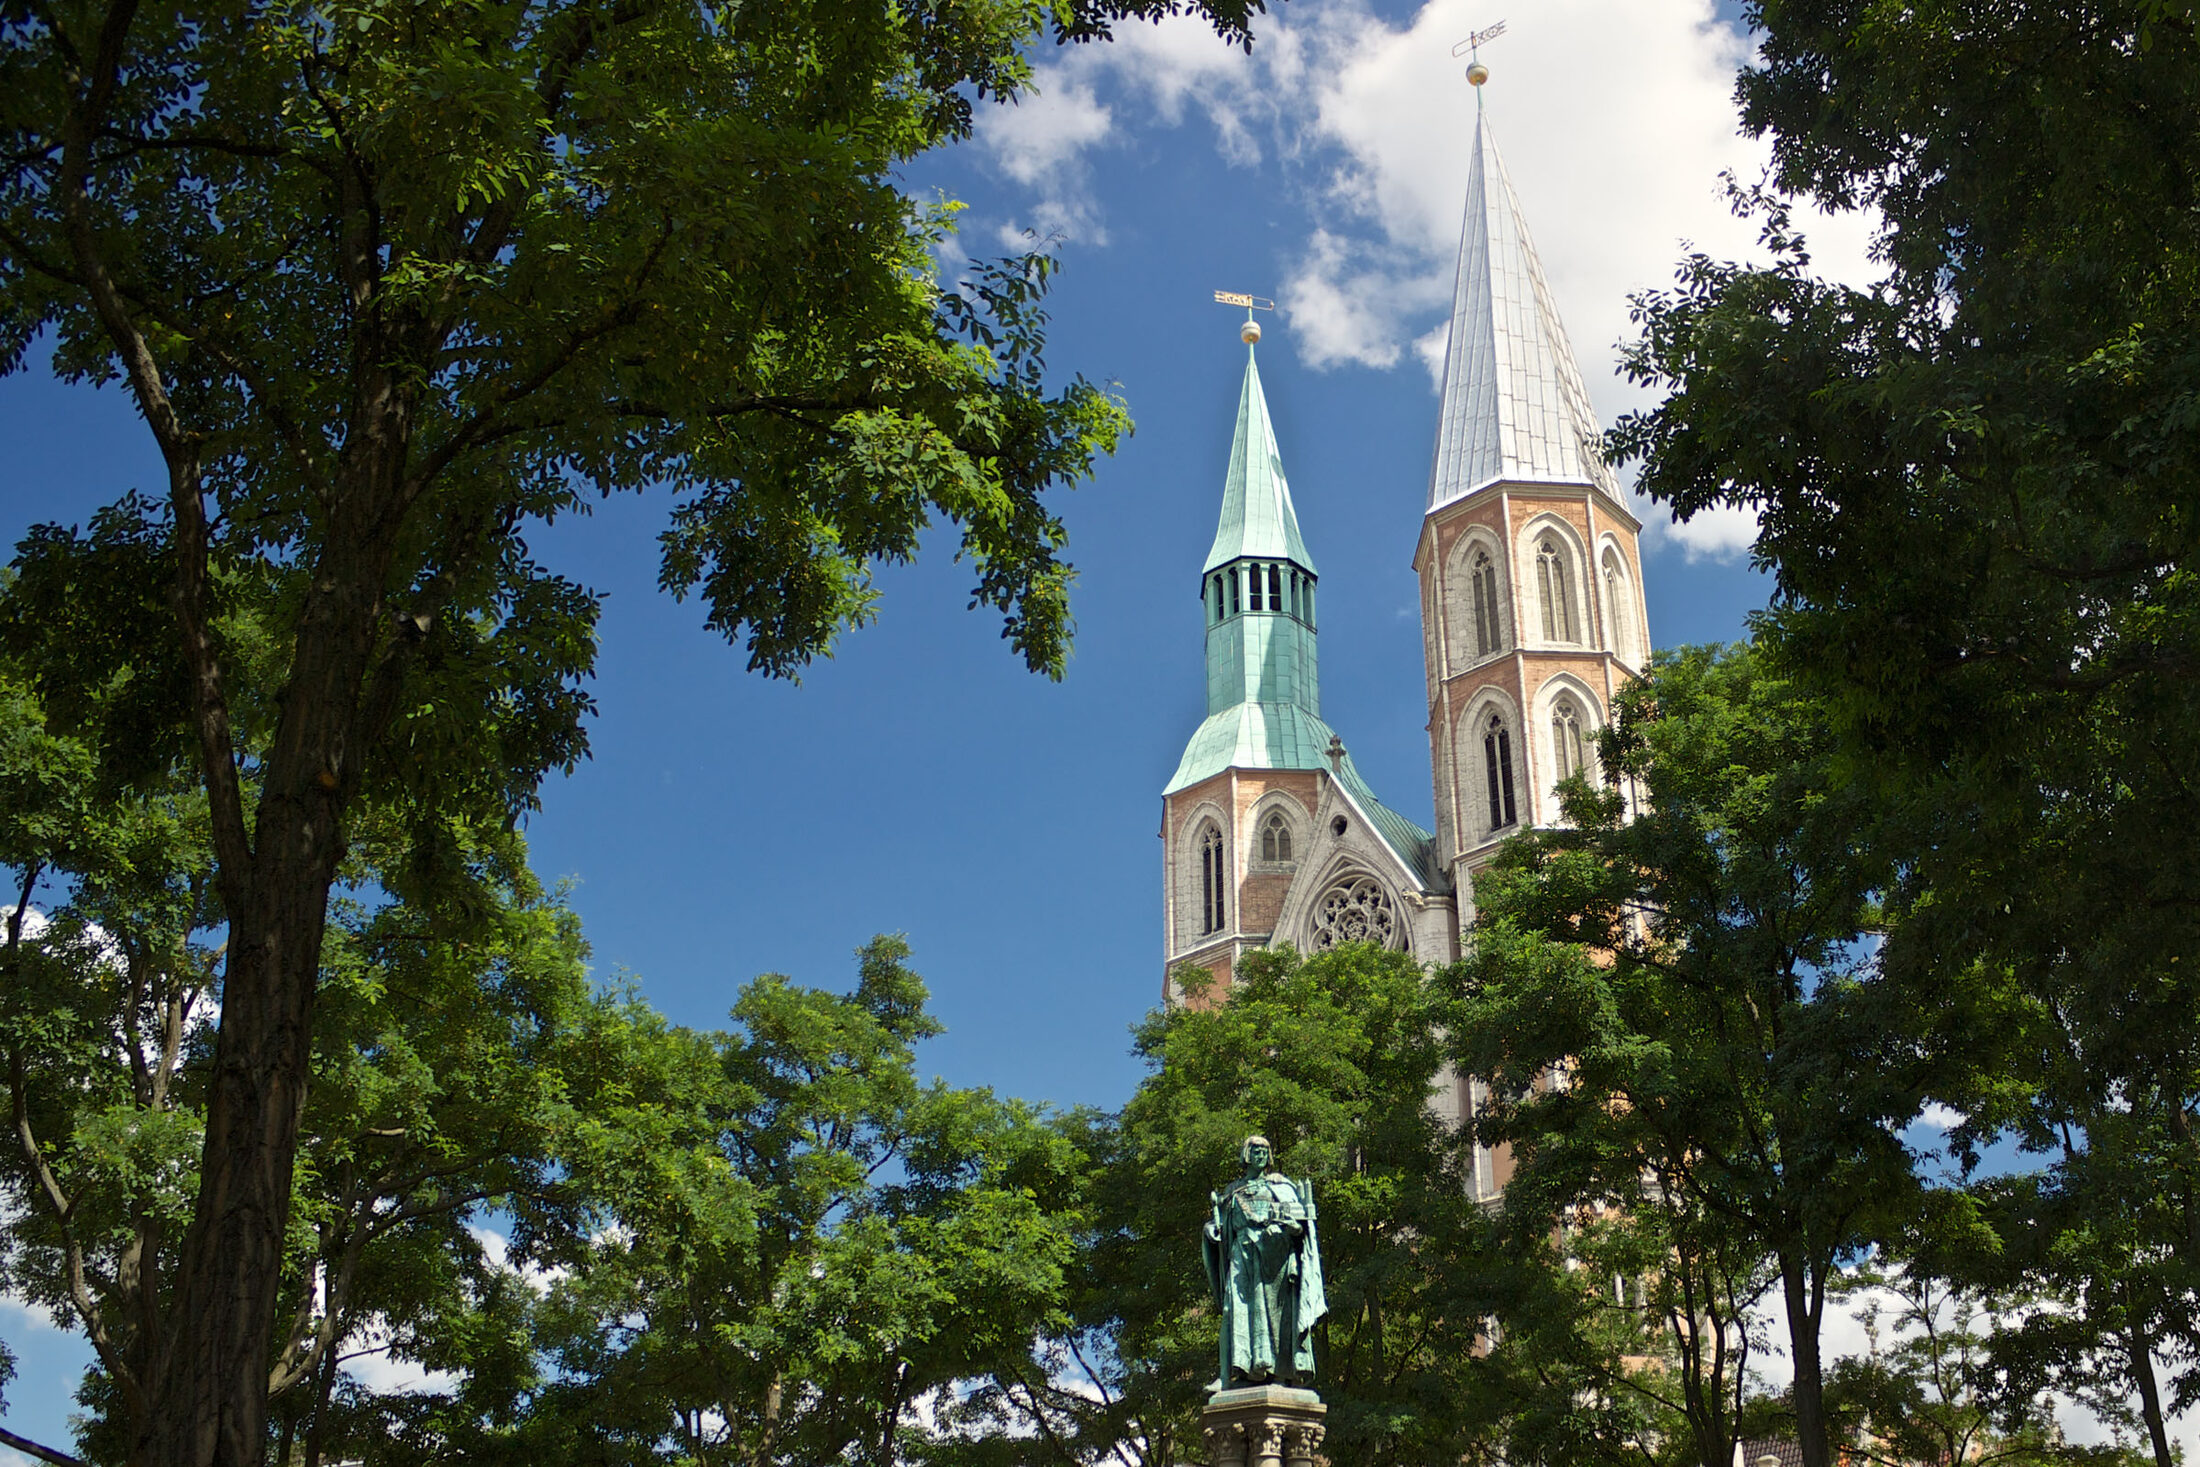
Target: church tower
x,y
1532,619
1532,614
1269,833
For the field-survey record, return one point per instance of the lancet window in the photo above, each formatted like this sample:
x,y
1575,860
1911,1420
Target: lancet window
x,y
1569,753
1212,874
1275,837
1497,763
1483,580
1618,606
1551,583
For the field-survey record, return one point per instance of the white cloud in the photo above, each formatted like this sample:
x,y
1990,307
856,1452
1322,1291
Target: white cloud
x,y
1037,139
1942,1117
1040,142
1156,74
1345,305
1724,532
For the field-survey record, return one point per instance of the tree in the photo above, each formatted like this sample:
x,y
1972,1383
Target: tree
x,y
1932,1387
456,1045
390,283
1335,1057
733,1190
1712,1033
1631,1317
806,1276
1975,483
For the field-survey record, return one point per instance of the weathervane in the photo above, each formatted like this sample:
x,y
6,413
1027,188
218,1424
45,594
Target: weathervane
x,y
1477,73
1250,331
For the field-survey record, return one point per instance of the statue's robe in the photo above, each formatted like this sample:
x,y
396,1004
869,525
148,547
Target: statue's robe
x,y
1267,1286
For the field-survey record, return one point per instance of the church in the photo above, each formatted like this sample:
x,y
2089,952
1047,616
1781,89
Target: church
x,y
1532,618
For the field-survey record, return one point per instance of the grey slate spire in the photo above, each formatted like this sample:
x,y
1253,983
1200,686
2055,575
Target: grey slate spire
x,y
1514,406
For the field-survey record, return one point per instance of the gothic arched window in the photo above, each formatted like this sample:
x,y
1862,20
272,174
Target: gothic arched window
x,y
1217,586
1275,588
1569,755
1275,837
1235,604
1550,576
1497,763
1212,874
1618,606
1483,578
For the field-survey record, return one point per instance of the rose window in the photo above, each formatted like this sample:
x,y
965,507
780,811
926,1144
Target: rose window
x,y
1356,910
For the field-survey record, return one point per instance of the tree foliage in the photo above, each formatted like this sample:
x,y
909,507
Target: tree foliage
x,y
1336,1058
1673,1001
1976,482
390,284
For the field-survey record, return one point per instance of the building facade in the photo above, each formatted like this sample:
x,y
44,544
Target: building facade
x,y
1532,618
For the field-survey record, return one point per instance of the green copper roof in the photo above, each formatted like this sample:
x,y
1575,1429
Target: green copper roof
x,y
1257,518
1286,736
1253,736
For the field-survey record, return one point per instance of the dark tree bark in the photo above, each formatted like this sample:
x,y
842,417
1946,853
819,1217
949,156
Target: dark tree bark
x,y
2141,1351
1804,1306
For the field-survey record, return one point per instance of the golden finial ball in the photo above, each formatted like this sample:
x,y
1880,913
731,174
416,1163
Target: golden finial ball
x,y
1249,332
1477,74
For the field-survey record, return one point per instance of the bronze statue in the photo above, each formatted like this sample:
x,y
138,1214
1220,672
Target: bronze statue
x,y
1264,1263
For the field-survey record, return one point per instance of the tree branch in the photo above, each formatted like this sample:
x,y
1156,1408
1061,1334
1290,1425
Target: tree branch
x,y
30,1448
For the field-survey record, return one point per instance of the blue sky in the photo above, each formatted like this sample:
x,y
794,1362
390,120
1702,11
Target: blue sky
x,y
921,782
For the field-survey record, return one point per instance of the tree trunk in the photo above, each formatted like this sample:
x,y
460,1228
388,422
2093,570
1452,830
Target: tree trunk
x,y
2150,1393
1809,1391
211,1396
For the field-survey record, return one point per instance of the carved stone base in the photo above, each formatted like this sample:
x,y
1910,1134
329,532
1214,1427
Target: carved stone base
x,y
1264,1426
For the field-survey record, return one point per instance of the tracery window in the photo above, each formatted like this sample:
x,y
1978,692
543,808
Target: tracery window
x,y
1275,837
1483,579
1558,606
1497,761
1211,876
1357,909
1568,753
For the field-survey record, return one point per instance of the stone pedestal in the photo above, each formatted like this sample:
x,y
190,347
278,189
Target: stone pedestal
x,y
1264,1426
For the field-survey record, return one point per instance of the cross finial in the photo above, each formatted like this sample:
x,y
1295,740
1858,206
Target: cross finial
x,y
1477,73
1335,754
1250,331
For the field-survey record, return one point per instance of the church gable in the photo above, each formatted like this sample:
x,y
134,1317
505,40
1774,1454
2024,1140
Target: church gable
x,y
1353,886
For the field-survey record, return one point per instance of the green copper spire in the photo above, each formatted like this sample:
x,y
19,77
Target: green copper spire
x,y
1264,702
1257,593
1257,518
